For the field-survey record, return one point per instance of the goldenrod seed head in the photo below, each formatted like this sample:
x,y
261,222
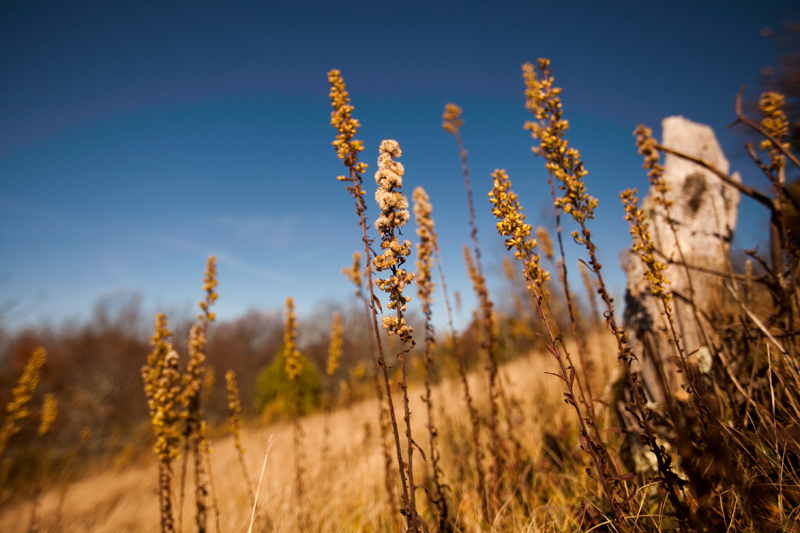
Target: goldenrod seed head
x,y
341,118
644,247
49,414
776,124
290,351
335,346
234,410
542,99
425,250
545,242
512,225
162,387
451,118
394,215
21,395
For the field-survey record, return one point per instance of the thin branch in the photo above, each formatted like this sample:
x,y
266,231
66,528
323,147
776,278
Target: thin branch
x,y
775,182
707,270
757,322
756,195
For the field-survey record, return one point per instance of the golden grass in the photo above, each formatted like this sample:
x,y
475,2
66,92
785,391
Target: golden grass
x,y
347,492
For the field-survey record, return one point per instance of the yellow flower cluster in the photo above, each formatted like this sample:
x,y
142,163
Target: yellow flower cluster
x,y
646,144
354,273
335,346
394,215
644,247
195,368
512,226
545,242
342,120
451,118
425,250
235,410
21,395
209,286
775,122
161,385
49,414
290,351
192,378
479,283
542,99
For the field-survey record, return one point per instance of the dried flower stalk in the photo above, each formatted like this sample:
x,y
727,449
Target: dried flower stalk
x,y
347,149
518,237
334,353
394,215
195,439
452,122
235,426
565,164
161,377
293,366
22,393
425,286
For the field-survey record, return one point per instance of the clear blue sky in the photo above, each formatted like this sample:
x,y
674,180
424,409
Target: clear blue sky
x,y
137,138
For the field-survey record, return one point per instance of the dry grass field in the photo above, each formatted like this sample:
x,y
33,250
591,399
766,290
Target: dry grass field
x,y
347,492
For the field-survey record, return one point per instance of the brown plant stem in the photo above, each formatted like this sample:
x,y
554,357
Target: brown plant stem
x,y
412,506
755,194
299,459
246,474
200,491
427,244
462,373
382,411
184,469
165,496
440,501
489,341
214,502
579,345
669,479
586,442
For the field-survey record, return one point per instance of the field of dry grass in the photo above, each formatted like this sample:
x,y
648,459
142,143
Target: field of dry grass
x,y
347,493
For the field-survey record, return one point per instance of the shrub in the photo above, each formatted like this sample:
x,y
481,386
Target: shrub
x,y
274,391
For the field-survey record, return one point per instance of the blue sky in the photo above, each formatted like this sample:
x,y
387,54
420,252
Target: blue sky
x,y
137,138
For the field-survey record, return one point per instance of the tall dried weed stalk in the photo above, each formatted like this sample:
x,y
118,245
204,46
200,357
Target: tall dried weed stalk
x,y
21,395
293,366
394,215
161,377
235,427
174,402
512,225
334,354
452,122
195,439
534,92
425,259
565,164
347,149
46,427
